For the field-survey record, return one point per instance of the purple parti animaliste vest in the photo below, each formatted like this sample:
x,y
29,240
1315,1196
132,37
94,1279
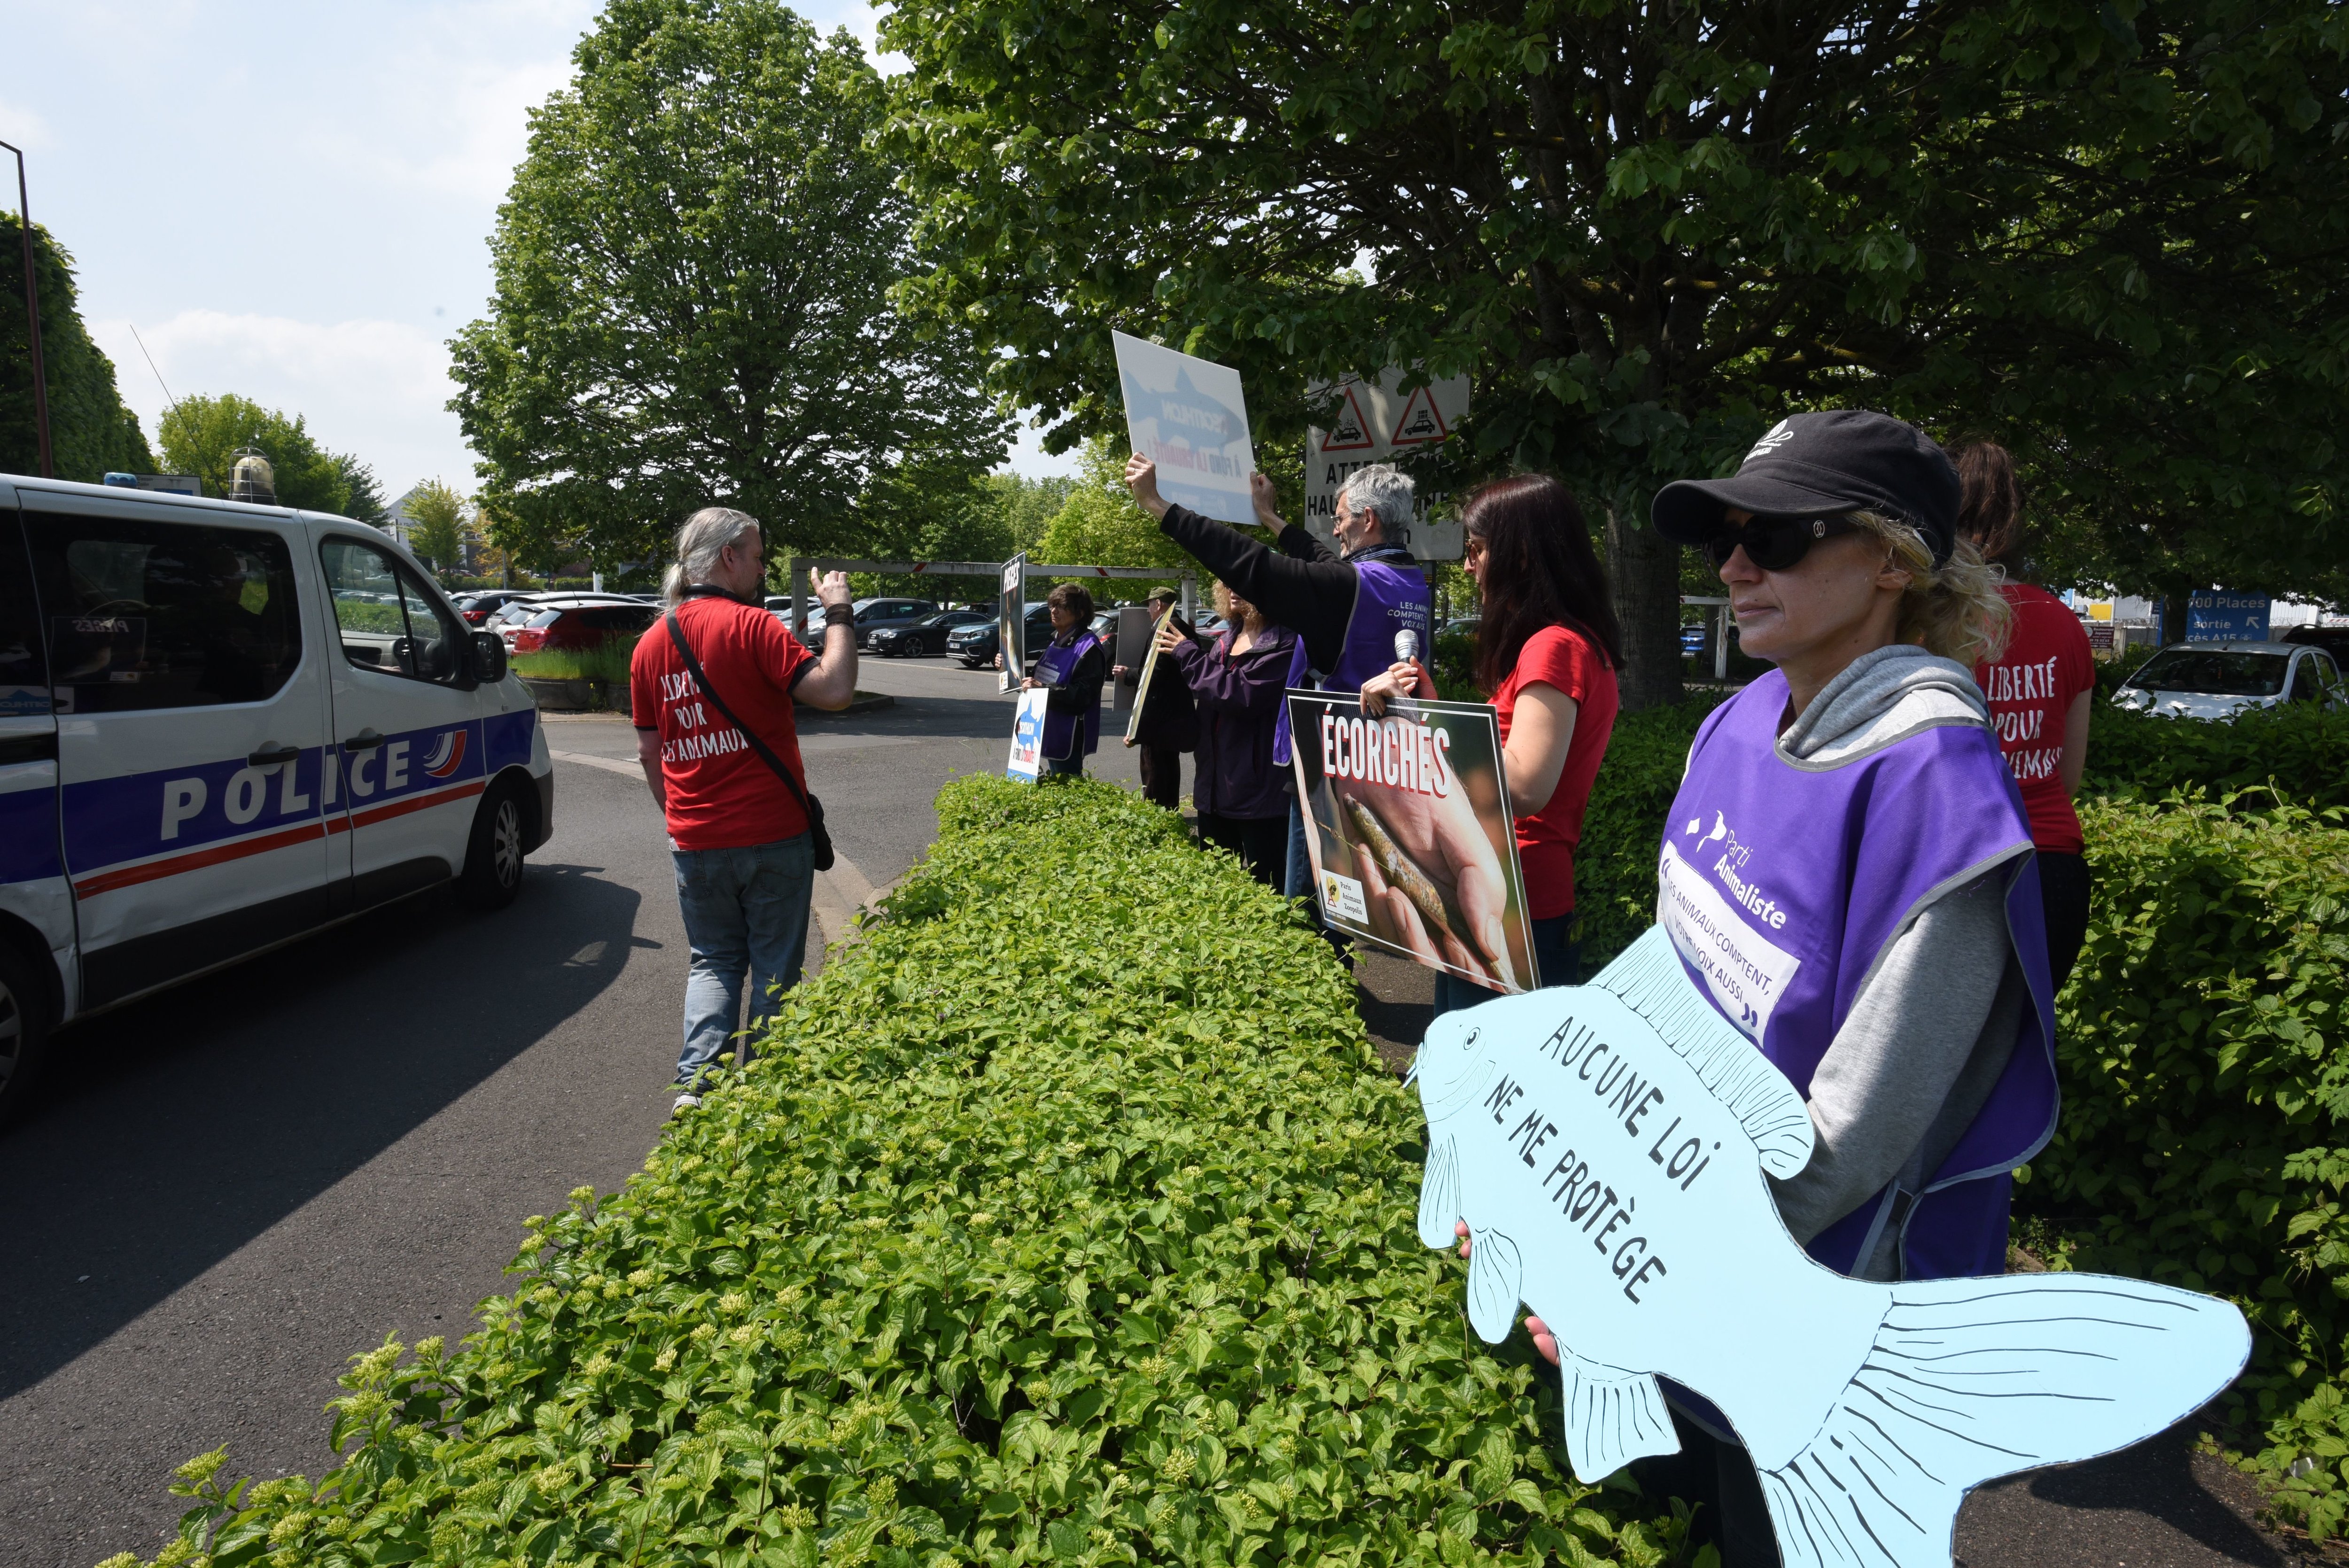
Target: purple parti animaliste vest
x,y
1781,882
1054,665
1391,595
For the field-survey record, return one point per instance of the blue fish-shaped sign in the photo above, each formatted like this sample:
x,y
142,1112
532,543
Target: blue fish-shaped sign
x,y
1608,1145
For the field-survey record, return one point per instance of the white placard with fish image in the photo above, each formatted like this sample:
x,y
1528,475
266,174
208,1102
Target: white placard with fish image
x,y
1187,416
1412,844
1609,1145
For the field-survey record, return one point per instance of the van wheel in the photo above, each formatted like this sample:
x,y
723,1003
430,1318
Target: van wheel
x,y
23,1031
493,873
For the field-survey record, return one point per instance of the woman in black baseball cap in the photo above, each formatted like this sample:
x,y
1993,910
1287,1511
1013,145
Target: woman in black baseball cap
x,y
1848,877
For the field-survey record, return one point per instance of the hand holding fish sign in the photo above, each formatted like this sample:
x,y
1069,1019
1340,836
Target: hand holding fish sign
x,y
1545,1342
1429,857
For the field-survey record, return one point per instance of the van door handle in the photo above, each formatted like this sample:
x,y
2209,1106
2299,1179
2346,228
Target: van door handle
x,y
363,740
272,753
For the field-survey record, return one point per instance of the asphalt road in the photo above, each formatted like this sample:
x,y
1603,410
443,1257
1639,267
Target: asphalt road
x,y
225,1190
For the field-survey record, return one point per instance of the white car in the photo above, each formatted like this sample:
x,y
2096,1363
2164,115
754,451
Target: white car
x,y
223,727
2220,680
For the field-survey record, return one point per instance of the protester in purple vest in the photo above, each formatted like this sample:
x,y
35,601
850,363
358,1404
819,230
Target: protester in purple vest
x,y
1074,668
1240,792
1847,876
1346,606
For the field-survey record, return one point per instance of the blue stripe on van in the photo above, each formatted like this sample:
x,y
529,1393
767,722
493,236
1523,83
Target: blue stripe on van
x,y
166,810
28,835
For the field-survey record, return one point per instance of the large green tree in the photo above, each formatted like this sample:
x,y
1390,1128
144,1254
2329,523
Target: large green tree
x,y
91,433
1647,230
693,272
437,516
202,435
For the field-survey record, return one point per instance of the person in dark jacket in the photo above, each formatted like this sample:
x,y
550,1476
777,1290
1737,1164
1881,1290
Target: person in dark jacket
x,y
1239,791
1167,727
1345,608
1074,668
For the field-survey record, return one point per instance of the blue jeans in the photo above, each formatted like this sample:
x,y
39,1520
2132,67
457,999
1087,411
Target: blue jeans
x,y
1297,881
745,911
1557,958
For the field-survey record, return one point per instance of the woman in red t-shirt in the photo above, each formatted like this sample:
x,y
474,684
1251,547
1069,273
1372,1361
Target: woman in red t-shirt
x,y
1546,649
2038,690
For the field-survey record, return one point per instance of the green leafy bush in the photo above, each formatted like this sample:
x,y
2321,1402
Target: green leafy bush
x,y
607,661
2206,1086
1623,827
2299,750
1068,1216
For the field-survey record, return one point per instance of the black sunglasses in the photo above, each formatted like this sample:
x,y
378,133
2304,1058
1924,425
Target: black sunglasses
x,y
1774,543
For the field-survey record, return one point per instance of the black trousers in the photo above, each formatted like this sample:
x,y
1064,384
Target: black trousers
x,y
1717,1478
1161,775
1261,843
2063,884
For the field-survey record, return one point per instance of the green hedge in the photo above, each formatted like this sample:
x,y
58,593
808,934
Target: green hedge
x,y
1069,1218
2297,754
2200,1046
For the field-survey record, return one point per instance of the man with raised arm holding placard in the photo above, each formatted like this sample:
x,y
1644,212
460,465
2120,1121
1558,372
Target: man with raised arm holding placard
x,y
1346,608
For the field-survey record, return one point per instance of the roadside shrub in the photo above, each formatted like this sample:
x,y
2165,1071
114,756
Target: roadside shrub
x,y
1068,1216
2299,752
2200,1046
1623,827
606,661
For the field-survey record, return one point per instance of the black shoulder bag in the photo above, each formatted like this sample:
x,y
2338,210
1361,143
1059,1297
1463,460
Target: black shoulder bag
x,y
820,841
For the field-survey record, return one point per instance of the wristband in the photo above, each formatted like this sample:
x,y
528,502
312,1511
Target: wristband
x,y
839,615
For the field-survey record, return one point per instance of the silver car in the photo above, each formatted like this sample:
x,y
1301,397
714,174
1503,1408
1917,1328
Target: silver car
x,y
2220,680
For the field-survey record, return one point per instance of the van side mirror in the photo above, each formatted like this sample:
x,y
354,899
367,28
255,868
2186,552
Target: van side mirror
x,y
489,657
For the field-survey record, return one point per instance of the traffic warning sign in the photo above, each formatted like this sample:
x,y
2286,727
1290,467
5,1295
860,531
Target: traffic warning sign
x,y
1422,424
1350,432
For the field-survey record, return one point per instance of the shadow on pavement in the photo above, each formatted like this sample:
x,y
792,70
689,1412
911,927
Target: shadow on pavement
x,y
170,1133
937,717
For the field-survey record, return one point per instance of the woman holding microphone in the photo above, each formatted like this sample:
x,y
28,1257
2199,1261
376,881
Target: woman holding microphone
x,y
1546,648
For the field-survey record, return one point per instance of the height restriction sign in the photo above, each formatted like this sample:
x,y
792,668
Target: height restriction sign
x,y
1377,422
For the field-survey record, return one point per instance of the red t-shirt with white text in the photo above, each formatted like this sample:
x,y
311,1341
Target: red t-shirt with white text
x,y
1547,839
2046,666
721,794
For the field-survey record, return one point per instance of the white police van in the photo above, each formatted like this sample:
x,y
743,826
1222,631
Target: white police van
x,y
223,727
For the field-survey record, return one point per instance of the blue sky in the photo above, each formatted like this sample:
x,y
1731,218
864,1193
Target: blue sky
x,y
294,202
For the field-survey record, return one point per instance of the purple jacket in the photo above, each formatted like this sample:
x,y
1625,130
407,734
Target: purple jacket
x,y
1239,702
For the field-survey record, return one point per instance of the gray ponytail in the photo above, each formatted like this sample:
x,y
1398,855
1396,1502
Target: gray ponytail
x,y
698,543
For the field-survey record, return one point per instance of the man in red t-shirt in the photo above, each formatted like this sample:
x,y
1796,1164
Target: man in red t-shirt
x,y
737,831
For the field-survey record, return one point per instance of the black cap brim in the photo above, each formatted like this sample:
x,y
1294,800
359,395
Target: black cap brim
x,y
1689,511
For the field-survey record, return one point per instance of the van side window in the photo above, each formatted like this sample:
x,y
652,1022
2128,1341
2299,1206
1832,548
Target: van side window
x,y
144,615
389,621
23,662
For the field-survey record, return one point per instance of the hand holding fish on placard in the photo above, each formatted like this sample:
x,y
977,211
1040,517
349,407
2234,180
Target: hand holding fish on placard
x,y
1408,827
1608,1147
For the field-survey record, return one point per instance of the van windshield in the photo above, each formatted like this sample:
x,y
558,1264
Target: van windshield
x,y
2210,673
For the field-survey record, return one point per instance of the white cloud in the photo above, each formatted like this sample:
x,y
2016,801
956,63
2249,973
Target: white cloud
x,y
373,387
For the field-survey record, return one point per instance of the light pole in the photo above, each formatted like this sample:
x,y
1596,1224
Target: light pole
x,y
33,317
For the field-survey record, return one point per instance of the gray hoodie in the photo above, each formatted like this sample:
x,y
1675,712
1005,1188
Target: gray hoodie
x,y
1936,1018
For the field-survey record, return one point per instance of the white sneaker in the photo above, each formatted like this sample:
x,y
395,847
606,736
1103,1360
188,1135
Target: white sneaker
x,y
684,1103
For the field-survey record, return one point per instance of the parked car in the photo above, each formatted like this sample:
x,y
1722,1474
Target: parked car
x,y
925,638
560,623
1692,639
1460,627
477,608
224,727
2333,640
2220,680
977,645
878,615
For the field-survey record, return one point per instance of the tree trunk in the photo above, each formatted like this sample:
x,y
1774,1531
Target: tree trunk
x,y
1643,568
